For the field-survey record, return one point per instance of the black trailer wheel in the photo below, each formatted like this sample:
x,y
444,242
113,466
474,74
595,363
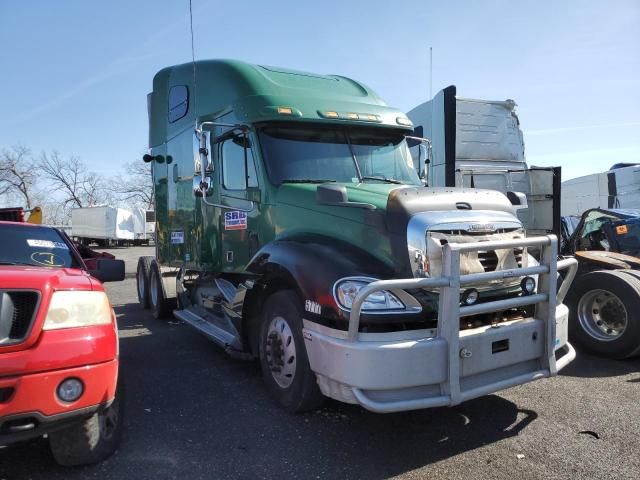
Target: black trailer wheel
x,y
604,313
283,355
142,280
92,440
159,304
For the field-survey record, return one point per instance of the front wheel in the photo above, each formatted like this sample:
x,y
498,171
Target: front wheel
x,y
283,356
604,313
92,440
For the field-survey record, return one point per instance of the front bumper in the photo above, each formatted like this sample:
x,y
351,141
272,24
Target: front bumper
x,y
31,406
389,372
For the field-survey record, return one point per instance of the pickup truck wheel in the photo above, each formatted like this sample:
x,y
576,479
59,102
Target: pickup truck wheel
x,y
604,313
142,280
159,305
283,355
92,440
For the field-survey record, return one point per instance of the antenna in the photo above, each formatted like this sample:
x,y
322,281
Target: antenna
x,y
430,72
193,60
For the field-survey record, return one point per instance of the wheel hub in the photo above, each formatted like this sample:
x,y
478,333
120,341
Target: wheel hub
x,y
602,315
281,352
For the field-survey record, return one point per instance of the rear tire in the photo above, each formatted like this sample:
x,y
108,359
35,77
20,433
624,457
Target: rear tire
x,y
94,439
283,355
142,280
604,313
160,306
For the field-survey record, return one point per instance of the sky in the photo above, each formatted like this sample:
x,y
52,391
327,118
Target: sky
x,y
74,75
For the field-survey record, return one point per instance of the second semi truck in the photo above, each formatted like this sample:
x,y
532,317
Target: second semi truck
x,y
292,227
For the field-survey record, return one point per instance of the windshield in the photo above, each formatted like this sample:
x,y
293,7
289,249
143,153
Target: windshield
x,y
345,155
37,246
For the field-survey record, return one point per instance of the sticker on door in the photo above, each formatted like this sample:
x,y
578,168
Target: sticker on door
x,y
235,220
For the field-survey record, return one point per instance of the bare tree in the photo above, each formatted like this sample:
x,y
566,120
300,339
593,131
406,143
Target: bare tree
x,y
136,185
18,173
70,178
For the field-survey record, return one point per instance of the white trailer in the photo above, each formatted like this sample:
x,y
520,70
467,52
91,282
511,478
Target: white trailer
x,y
479,144
143,225
618,187
103,225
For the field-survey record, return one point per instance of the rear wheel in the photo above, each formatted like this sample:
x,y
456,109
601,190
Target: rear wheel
x,y
283,356
142,280
604,313
160,306
92,440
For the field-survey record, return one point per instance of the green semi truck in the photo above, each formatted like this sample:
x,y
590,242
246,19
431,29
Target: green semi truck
x,y
292,227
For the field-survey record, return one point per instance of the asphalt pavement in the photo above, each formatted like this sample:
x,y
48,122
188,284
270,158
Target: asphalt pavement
x,y
193,412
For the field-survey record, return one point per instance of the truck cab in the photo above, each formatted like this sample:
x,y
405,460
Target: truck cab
x,y
293,227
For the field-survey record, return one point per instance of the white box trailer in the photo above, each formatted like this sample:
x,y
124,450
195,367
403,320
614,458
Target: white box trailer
x,y
144,225
479,144
104,225
618,187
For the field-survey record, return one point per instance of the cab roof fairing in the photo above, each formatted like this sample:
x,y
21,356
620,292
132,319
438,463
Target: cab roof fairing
x,y
254,92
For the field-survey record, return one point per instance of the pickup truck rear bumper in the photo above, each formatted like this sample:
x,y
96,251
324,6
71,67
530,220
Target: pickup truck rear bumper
x,y
389,372
30,407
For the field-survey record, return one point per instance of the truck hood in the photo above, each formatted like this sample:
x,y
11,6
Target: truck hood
x,y
42,278
397,203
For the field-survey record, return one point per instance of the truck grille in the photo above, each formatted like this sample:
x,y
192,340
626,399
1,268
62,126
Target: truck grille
x,y
17,312
481,261
489,259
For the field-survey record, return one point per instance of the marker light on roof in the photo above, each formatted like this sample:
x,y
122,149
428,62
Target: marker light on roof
x,y
403,121
372,118
331,114
353,116
285,110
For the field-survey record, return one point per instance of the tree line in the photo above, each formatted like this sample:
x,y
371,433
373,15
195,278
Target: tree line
x,y
59,184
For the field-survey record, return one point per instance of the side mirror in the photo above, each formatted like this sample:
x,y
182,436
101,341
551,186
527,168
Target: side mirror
x,y
106,269
202,187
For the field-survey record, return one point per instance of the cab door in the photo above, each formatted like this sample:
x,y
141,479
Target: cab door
x,y
241,194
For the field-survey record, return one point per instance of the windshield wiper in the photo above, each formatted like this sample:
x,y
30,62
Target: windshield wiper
x,y
382,179
305,180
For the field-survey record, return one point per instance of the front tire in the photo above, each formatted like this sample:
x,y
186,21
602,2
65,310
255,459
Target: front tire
x,y
93,440
283,355
604,313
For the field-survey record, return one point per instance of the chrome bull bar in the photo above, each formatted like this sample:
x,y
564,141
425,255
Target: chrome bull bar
x,y
449,310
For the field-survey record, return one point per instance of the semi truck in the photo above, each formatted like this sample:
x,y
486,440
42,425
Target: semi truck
x,y
479,143
104,225
293,228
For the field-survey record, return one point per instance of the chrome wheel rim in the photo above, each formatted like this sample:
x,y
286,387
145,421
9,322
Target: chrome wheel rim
x,y
281,352
141,285
153,288
602,315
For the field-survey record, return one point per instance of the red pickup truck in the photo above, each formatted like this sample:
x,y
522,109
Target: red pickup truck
x,y
58,345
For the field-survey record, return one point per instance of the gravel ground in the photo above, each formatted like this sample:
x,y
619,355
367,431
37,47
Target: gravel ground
x,y
192,412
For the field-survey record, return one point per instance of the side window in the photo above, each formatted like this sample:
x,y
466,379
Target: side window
x,y
178,102
233,167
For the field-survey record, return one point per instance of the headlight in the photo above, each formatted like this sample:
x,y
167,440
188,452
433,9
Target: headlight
x,y
347,290
70,309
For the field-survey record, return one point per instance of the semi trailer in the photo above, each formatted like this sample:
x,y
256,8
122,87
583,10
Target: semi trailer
x,y
104,225
479,143
293,228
